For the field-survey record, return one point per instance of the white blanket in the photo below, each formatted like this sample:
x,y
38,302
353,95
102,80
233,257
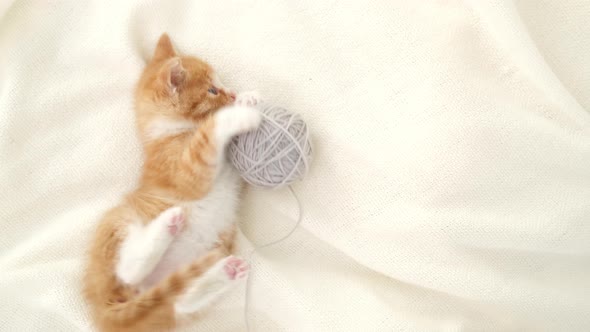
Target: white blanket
x,y
450,188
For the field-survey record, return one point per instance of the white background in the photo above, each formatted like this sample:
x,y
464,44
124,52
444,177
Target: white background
x,y
450,187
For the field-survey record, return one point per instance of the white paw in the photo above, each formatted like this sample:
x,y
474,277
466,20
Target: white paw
x,y
215,282
144,245
173,220
250,98
226,271
236,120
235,268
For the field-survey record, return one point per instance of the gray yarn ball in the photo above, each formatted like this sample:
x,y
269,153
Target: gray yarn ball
x,y
277,153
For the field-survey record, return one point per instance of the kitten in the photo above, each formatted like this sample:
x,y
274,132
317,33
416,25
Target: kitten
x,y
163,252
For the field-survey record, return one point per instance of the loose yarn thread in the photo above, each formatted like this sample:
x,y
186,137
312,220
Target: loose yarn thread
x,y
275,155
256,248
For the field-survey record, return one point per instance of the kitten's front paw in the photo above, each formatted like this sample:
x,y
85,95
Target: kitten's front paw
x,y
250,98
236,120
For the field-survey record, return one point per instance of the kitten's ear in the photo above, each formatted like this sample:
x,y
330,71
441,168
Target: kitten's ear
x,y
174,74
164,49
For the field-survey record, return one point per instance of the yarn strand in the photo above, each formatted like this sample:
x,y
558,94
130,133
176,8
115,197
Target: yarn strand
x,y
257,248
275,155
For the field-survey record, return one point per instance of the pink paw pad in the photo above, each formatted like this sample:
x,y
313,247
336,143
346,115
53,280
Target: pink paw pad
x,y
176,223
236,268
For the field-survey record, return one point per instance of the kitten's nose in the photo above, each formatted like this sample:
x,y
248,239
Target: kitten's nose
x,y
232,95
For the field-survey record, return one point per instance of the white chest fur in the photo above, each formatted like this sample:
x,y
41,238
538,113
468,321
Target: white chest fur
x,y
206,219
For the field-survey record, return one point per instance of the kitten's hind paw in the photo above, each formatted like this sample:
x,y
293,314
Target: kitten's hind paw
x,y
216,281
173,219
236,268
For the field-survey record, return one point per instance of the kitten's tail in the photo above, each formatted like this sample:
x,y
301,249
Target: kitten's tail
x,y
163,293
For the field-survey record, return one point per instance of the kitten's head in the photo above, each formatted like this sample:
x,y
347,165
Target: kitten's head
x,y
178,87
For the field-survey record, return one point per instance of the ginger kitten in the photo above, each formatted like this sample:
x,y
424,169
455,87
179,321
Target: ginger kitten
x,y
162,253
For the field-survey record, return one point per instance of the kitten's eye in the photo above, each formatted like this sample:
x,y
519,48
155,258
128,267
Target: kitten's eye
x,y
212,90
